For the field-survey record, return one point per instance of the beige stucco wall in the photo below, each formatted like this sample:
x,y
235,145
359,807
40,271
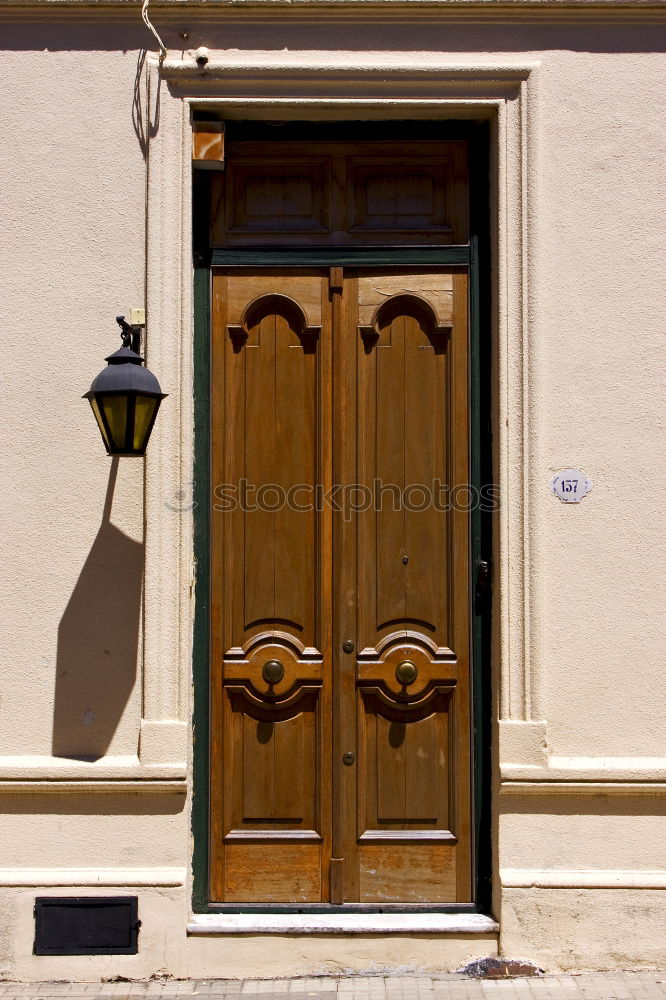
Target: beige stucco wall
x,y
94,709
72,257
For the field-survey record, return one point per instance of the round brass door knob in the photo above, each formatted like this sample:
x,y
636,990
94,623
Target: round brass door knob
x,y
406,672
272,671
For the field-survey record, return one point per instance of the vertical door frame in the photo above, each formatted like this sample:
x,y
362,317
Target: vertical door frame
x,y
477,258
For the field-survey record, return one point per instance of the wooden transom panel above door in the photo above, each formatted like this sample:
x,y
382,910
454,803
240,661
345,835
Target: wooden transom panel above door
x,y
337,194
340,754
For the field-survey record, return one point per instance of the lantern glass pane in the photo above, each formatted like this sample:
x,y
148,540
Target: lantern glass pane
x,y
144,410
115,411
100,422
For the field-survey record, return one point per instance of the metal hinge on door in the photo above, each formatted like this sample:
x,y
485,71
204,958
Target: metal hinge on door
x,y
483,584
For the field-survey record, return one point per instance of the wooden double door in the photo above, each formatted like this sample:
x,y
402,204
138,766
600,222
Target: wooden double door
x,y
340,677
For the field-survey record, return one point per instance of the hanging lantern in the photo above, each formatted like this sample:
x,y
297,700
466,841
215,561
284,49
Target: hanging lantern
x,y
125,397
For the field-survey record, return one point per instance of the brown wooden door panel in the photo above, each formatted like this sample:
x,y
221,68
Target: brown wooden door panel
x,y
274,775
405,432
416,873
271,628
293,877
358,380
280,545
413,596
336,193
406,763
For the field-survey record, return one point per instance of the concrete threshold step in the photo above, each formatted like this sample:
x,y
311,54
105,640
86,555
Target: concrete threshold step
x,y
206,924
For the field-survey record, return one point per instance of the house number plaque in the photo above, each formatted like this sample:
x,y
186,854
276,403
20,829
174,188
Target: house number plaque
x,y
570,485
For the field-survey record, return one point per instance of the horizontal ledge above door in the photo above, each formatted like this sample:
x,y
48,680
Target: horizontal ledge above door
x,y
225,63
341,923
342,257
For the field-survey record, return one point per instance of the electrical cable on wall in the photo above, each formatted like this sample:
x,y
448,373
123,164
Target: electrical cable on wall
x,y
147,22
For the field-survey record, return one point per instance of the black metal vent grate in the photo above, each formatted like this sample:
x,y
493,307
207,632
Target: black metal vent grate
x,y
86,925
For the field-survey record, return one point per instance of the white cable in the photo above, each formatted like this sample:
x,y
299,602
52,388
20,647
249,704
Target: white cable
x,y
146,21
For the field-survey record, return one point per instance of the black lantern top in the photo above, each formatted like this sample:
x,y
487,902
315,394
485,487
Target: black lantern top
x,y
125,397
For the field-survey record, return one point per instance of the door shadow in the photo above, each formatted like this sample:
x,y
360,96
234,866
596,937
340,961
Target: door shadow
x,y
98,639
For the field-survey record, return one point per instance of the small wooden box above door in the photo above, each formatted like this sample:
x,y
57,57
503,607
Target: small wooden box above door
x,y
341,194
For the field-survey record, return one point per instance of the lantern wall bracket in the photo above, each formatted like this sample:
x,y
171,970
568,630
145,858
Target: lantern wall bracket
x,y
131,333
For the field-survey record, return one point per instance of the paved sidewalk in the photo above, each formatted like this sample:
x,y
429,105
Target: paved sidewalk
x,y
594,986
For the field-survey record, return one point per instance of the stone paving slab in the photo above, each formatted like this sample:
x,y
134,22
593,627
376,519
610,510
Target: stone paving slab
x,y
447,986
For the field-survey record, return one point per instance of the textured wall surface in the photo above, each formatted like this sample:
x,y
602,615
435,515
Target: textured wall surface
x,y
77,117
72,258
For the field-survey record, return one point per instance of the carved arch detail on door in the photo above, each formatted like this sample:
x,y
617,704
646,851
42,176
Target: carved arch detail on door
x,y
291,643
407,708
419,639
274,303
405,304
275,708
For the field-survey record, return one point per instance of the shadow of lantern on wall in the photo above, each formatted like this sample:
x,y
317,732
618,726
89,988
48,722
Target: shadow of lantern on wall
x,y
125,396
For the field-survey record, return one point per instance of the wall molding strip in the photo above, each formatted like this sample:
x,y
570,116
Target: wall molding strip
x,y
361,64
516,878
272,11
554,787
43,768
115,877
83,787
